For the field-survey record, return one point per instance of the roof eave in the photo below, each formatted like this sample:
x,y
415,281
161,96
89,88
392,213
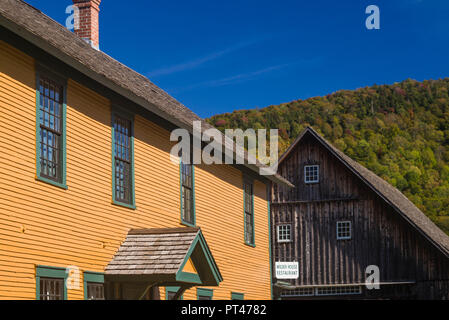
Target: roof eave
x,y
37,41
70,61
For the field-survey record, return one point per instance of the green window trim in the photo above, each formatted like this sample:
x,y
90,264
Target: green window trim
x,y
90,276
63,82
184,222
204,293
50,272
237,296
172,290
118,112
253,243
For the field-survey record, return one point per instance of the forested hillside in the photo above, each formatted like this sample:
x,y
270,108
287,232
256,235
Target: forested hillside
x,y
399,131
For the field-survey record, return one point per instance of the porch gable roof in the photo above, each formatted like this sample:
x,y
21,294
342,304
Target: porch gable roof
x,y
162,254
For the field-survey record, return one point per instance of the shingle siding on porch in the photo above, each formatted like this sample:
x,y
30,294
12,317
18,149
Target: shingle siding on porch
x,y
151,253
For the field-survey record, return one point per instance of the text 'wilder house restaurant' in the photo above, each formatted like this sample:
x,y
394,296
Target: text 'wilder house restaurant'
x,y
91,207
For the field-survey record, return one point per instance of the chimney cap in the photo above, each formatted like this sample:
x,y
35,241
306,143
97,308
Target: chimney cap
x,y
80,1
95,3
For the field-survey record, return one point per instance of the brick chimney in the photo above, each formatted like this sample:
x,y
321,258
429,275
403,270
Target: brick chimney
x,y
88,21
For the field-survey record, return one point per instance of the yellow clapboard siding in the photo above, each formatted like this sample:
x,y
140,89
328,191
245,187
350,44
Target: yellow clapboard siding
x,y
20,272
80,226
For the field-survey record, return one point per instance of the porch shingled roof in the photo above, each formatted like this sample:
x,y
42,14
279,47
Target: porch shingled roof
x,y
152,251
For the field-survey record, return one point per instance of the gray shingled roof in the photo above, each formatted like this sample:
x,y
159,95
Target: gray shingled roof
x,y
390,194
152,252
47,34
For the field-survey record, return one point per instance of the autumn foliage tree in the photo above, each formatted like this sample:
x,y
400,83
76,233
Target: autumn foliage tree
x,y
399,131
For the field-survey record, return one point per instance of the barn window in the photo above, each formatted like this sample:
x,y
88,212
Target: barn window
x,y
344,230
249,212
312,174
338,291
123,157
51,113
284,233
299,292
322,291
187,194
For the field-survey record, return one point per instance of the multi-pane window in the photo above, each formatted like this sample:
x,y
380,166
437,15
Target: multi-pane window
x,y
337,291
204,294
311,174
237,296
170,293
95,291
51,289
249,213
299,292
344,230
322,291
51,101
284,233
123,160
187,209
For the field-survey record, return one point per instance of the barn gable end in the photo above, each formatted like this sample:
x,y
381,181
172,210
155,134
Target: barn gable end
x,y
387,230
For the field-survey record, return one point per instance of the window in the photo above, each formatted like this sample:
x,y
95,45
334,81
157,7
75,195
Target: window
x,y
299,292
93,286
343,230
51,283
123,166
338,291
187,194
237,296
51,112
170,293
312,174
284,233
51,289
204,294
95,291
249,212
322,291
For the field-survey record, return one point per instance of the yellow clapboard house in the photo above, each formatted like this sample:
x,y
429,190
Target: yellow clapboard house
x,y
91,206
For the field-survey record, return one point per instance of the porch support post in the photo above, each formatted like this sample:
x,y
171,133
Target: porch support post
x,y
152,284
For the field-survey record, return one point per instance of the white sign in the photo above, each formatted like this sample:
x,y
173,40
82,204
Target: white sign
x,y
287,270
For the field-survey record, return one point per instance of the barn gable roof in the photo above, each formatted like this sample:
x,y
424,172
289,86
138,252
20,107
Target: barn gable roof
x,y
43,32
386,191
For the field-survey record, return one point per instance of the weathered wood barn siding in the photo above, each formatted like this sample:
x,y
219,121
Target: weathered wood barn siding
x,y
380,236
41,224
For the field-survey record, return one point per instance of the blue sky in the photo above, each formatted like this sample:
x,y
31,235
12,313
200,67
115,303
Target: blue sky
x,y
219,56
